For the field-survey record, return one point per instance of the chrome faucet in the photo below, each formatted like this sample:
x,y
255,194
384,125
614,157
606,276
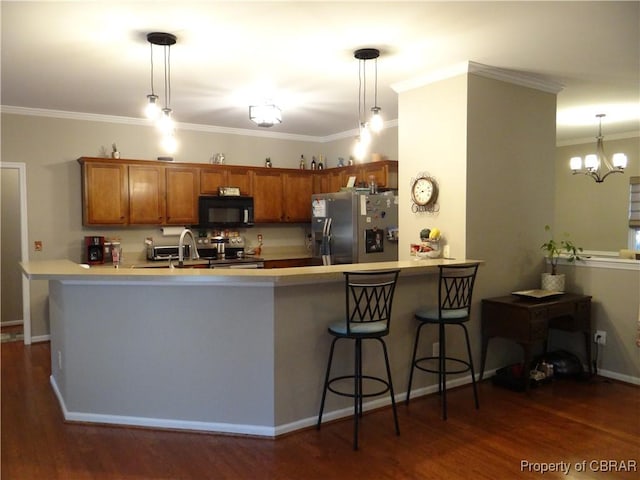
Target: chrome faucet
x,y
194,255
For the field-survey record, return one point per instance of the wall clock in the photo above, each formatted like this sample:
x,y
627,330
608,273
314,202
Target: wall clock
x,y
424,194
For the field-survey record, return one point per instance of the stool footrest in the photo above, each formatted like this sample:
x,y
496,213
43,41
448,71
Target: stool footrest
x,y
364,377
466,366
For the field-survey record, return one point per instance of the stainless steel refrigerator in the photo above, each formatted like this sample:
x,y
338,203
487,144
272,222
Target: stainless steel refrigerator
x,y
355,227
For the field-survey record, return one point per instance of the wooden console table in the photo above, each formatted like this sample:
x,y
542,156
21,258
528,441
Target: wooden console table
x,y
527,321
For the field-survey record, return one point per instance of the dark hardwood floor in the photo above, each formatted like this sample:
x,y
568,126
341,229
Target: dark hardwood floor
x,y
565,421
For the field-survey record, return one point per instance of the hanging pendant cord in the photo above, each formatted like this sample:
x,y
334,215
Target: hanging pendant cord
x,y
151,50
375,92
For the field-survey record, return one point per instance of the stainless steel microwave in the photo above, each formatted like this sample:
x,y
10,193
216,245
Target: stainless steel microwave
x,y
225,211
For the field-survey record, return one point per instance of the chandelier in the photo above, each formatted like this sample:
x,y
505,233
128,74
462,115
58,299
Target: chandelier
x,y
375,122
162,116
266,115
597,165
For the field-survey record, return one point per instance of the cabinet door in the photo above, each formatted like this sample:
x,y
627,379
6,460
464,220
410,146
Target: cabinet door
x,y
297,189
146,195
267,196
239,177
105,197
211,178
183,186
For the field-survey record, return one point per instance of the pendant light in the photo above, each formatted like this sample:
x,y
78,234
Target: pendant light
x,y
595,163
162,116
375,123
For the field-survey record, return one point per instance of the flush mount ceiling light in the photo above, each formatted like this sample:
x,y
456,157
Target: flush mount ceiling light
x,y
596,163
266,115
375,122
162,116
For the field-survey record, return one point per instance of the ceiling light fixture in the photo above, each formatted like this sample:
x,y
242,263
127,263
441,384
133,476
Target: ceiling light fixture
x,y
266,115
594,162
375,123
163,117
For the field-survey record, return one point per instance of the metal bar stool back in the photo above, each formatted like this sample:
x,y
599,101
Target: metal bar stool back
x,y
368,301
455,292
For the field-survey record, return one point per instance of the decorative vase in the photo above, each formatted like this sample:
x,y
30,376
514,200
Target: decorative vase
x,y
553,282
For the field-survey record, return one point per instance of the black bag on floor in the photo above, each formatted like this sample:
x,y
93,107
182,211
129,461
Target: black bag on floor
x,y
565,364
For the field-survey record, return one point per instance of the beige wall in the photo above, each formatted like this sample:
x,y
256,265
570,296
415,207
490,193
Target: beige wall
x,y
596,215
490,145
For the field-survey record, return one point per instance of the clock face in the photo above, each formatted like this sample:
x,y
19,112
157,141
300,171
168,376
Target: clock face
x,y
422,191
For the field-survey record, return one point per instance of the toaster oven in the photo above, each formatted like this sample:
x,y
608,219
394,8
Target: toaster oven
x,y
165,252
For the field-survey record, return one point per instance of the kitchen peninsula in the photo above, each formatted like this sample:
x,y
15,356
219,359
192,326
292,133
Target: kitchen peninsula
x,y
236,351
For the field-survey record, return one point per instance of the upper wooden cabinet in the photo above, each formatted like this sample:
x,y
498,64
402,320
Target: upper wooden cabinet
x,y
297,188
267,195
183,189
140,192
214,176
333,179
147,194
105,195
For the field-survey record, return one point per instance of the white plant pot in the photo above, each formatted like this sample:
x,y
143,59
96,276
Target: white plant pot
x,y
553,282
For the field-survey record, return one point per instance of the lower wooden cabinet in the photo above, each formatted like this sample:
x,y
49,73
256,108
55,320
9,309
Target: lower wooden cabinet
x,y
289,262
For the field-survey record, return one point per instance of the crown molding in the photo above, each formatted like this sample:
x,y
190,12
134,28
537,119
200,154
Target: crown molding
x,y
523,79
92,117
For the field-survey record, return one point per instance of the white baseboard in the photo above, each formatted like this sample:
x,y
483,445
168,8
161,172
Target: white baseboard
x,y
11,323
160,423
40,338
269,431
619,376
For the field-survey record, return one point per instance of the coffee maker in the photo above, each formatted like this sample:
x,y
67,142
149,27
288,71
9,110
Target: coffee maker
x,y
94,249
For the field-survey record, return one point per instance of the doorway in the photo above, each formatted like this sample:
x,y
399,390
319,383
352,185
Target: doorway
x,y
15,317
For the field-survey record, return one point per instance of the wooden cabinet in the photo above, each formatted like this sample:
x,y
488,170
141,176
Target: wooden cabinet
x,y
267,195
135,192
289,262
297,188
228,176
105,197
147,202
183,187
385,173
211,178
139,192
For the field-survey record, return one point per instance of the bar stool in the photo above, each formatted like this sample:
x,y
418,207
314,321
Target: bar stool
x,y
454,308
369,297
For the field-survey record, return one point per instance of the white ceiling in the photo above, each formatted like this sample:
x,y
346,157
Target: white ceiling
x,y
93,56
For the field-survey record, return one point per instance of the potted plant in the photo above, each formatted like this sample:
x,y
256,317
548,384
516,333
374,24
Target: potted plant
x,y
553,250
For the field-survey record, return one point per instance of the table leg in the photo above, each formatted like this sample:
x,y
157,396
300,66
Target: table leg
x,y
485,345
527,365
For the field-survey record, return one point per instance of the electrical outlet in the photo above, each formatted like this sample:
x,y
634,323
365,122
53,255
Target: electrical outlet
x,y
600,337
435,349
259,238
37,245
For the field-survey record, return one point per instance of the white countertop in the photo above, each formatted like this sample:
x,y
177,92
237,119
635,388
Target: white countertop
x,y
66,270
